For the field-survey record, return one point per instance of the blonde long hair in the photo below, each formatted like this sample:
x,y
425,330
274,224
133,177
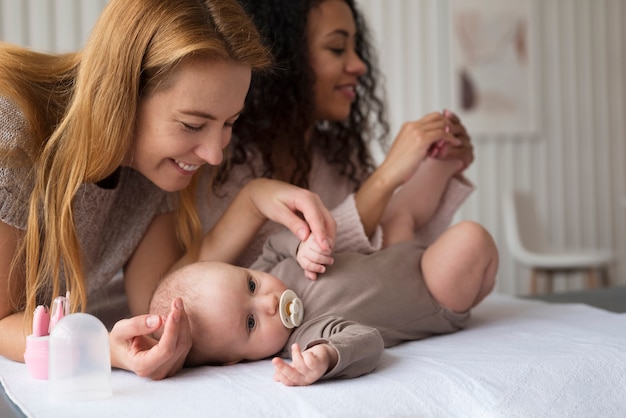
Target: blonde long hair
x,y
81,112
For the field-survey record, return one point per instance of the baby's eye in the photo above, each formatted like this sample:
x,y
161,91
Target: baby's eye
x,y
251,323
251,286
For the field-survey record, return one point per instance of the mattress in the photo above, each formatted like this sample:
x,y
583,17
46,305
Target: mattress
x,y
517,358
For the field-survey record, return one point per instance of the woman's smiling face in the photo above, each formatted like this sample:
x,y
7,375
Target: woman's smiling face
x,y
331,35
188,123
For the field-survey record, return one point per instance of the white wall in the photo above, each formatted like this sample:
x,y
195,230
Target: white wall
x,y
574,161
50,25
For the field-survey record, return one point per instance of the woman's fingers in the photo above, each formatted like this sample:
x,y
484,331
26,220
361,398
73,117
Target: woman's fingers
x,y
132,347
304,212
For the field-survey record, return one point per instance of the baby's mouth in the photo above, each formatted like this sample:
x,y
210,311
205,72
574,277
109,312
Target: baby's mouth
x,y
291,309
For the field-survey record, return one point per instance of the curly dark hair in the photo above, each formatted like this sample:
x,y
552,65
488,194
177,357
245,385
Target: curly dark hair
x,y
279,106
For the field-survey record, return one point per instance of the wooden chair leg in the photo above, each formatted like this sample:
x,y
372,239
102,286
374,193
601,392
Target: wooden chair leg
x,y
549,281
605,281
533,282
592,279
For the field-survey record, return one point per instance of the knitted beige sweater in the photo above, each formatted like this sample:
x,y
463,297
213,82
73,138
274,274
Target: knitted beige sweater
x,y
110,222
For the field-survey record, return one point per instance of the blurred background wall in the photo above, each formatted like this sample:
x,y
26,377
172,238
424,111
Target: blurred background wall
x,y
573,155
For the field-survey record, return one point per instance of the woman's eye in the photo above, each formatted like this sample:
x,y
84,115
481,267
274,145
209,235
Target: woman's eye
x,y
251,323
337,51
191,128
251,286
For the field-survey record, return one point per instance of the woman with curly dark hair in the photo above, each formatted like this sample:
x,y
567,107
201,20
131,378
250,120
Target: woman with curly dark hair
x,y
311,119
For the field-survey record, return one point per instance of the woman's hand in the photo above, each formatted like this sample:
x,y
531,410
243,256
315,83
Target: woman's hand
x,y
415,141
300,210
464,151
428,136
133,348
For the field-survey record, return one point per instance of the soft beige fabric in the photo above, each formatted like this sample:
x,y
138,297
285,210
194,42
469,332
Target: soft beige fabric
x,y
110,222
362,303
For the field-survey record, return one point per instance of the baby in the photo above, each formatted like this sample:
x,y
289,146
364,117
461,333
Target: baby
x,y
361,304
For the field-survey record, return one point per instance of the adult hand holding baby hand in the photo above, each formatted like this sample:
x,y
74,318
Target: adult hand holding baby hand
x,y
415,141
312,258
463,150
300,210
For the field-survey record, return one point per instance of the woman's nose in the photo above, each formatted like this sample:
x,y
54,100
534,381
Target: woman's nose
x,y
356,65
211,150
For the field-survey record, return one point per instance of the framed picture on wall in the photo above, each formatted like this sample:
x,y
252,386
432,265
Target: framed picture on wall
x,y
491,65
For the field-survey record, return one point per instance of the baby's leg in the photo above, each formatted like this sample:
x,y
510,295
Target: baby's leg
x,y
416,201
460,267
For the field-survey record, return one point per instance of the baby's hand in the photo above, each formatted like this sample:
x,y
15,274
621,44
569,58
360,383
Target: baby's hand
x,y
461,152
312,258
306,367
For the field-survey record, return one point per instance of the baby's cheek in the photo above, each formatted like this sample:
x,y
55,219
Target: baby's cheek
x,y
281,337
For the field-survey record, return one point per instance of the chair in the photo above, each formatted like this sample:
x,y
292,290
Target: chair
x,y
527,243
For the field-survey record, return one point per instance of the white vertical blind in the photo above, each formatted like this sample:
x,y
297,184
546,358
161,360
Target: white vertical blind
x,y
574,159
48,25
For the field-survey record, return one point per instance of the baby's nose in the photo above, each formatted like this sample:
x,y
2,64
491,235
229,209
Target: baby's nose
x,y
270,304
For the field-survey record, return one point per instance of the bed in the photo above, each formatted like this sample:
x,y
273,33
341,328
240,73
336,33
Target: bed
x,y
517,358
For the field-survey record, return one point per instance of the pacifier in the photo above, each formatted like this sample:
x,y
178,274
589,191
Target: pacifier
x,y
291,309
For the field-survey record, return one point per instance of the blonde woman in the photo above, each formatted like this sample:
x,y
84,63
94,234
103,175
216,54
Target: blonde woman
x,y
99,154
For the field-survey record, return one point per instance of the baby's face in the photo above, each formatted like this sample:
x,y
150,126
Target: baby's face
x,y
238,318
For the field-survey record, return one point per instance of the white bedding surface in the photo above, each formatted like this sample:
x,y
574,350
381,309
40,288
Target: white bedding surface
x,y
518,358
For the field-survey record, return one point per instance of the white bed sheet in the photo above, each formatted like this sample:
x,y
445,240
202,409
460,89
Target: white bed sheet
x,y
518,358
